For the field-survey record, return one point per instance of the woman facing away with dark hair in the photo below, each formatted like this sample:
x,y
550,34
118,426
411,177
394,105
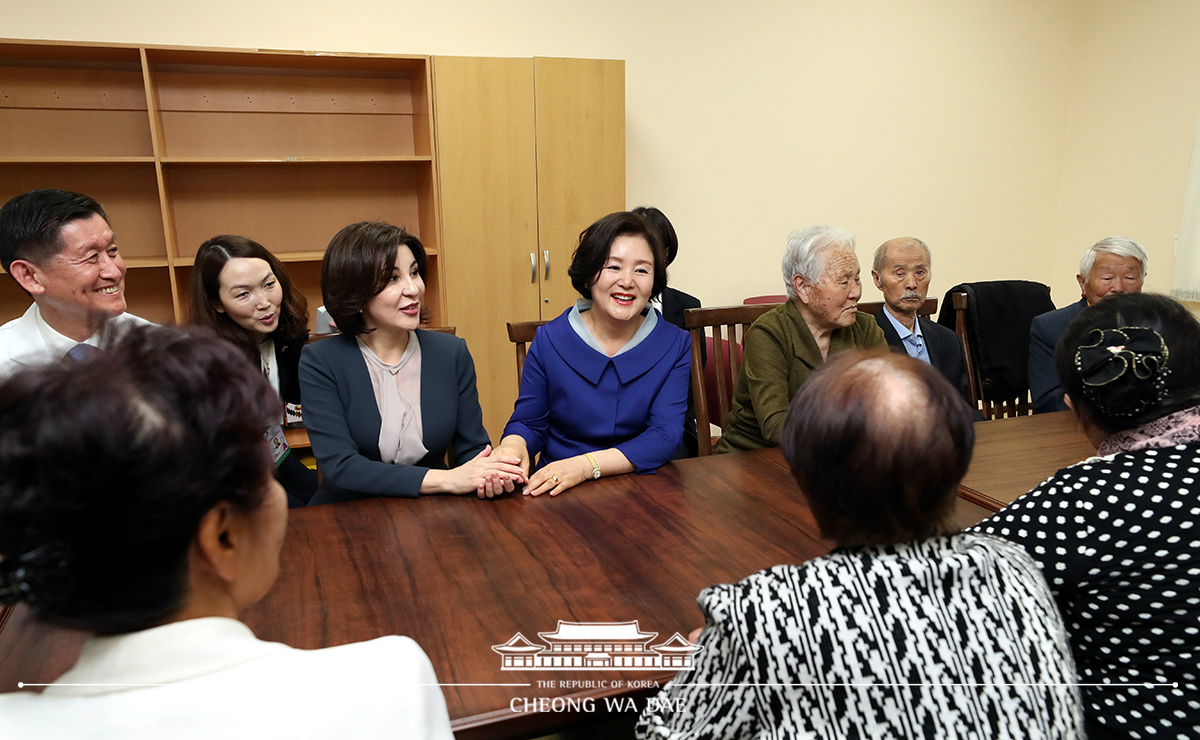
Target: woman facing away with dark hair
x,y
385,402
906,629
161,528
243,293
1115,534
604,389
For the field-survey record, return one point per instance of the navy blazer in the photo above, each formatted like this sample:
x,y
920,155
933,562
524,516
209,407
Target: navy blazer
x,y
1044,386
575,399
674,303
945,349
343,419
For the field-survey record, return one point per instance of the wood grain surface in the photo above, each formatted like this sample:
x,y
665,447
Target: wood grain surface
x,y
1013,456
460,575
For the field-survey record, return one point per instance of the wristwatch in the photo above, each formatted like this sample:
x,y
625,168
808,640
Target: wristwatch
x,y
595,465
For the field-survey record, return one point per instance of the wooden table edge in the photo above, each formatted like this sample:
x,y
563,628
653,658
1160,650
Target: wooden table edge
x,y
979,499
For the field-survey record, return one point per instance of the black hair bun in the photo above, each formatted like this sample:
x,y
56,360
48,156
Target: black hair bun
x,y
1123,370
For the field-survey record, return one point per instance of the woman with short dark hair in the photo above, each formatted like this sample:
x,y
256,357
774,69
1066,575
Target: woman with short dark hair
x,y
672,302
385,402
905,629
1114,534
245,295
137,503
604,389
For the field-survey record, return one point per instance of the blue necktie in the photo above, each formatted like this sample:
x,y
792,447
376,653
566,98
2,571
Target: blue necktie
x,y
81,351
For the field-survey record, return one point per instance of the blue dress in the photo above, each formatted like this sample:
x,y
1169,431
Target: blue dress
x,y
575,399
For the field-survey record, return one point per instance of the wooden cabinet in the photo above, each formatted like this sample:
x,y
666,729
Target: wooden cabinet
x,y
530,152
180,145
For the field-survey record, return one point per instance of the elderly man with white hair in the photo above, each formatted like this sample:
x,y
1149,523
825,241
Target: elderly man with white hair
x,y
1115,265
785,344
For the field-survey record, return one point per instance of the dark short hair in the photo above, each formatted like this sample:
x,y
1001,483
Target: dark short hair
x,y
357,267
30,223
878,442
206,293
1129,400
666,231
595,242
107,467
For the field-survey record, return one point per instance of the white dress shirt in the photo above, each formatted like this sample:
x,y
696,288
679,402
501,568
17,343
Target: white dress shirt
x,y
29,340
913,339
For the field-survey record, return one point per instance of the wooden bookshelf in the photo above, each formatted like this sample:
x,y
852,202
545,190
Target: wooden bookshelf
x,y
182,144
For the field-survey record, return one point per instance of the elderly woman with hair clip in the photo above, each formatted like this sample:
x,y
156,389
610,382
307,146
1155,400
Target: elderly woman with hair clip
x,y
907,628
1115,534
162,528
604,390
243,293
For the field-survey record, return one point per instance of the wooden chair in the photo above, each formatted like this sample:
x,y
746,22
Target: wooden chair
x,y
521,334
758,300
1006,408
725,359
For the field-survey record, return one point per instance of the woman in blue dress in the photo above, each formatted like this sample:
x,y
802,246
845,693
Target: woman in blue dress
x,y
604,389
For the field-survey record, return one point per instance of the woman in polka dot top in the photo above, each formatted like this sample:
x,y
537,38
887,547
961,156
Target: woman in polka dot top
x,y
1116,535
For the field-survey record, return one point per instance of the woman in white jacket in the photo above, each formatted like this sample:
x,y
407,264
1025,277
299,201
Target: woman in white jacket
x,y
137,502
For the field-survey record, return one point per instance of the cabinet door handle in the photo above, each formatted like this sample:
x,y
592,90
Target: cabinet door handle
x,y
532,267
546,260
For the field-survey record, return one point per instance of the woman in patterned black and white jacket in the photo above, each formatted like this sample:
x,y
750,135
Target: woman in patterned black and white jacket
x,y
1115,534
904,630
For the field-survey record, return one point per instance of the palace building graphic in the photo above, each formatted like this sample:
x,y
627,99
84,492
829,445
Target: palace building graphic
x,y
596,646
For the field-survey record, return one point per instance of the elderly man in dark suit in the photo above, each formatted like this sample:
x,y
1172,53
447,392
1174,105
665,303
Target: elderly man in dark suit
x,y
902,270
1115,265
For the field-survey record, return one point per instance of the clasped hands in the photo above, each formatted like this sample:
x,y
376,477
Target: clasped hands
x,y
491,473
554,478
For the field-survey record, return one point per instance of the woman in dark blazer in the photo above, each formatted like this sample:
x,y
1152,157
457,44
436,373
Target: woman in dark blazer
x,y
673,303
244,294
383,411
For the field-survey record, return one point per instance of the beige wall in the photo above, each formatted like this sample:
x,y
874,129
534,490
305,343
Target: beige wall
x,y
1009,134
1131,124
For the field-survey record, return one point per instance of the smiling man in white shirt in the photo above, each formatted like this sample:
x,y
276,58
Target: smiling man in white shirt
x,y
60,249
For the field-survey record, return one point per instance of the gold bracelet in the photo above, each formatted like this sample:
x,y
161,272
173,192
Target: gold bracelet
x,y
595,465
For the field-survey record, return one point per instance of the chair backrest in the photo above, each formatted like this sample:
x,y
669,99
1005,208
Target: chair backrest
x,y
928,308
992,320
728,326
757,300
521,334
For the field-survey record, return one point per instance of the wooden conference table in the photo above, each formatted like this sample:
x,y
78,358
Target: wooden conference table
x,y
461,575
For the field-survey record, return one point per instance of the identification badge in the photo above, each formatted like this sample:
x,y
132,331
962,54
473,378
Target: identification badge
x,y
279,445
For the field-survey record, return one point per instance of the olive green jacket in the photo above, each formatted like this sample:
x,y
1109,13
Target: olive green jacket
x,y
780,354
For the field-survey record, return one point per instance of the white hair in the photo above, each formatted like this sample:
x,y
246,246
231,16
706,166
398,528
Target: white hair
x,y
1122,246
805,250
